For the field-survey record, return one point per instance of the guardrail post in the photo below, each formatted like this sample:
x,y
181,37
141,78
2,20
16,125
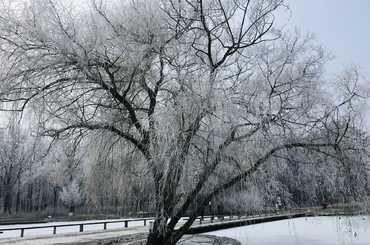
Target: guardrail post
x,y
105,225
81,228
200,221
151,226
55,230
22,232
144,222
212,219
126,224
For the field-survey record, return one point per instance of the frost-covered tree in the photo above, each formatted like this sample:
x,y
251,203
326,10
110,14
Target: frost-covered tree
x,y
13,162
23,185
71,195
64,174
17,157
201,93
113,182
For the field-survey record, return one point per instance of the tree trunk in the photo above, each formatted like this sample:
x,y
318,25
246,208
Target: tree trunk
x,y
18,202
55,199
154,238
29,198
7,201
8,195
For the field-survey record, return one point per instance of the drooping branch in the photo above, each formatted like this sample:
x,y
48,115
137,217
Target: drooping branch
x,y
209,170
140,144
180,232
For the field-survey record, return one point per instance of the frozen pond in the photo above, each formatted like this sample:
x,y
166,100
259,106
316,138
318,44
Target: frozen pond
x,y
304,231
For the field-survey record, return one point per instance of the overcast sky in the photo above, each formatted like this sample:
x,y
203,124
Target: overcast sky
x,y
342,26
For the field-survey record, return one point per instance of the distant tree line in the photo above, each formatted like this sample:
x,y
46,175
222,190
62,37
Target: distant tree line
x,y
67,178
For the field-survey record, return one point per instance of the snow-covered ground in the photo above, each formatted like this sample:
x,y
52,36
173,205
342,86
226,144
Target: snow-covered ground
x,y
71,234
67,229
303,231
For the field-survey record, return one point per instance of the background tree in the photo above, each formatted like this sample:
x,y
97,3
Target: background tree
x,y
12,165
202,94
71,196
18,155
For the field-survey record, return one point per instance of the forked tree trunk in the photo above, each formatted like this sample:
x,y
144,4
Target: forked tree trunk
x,y
156,237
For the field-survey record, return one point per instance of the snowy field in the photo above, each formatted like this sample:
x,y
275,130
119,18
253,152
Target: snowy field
x,y
67,229
303,231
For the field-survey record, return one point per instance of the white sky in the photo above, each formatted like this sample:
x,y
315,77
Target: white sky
x,y
342,26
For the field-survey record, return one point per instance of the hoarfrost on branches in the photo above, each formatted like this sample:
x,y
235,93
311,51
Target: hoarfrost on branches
x,y
192,96
71,195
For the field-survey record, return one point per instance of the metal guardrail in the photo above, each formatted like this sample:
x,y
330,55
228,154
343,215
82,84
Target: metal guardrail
x,y
240,221
259,214
81,225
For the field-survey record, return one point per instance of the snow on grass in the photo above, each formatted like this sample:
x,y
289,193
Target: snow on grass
x,y
322,230
331,230
67,229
